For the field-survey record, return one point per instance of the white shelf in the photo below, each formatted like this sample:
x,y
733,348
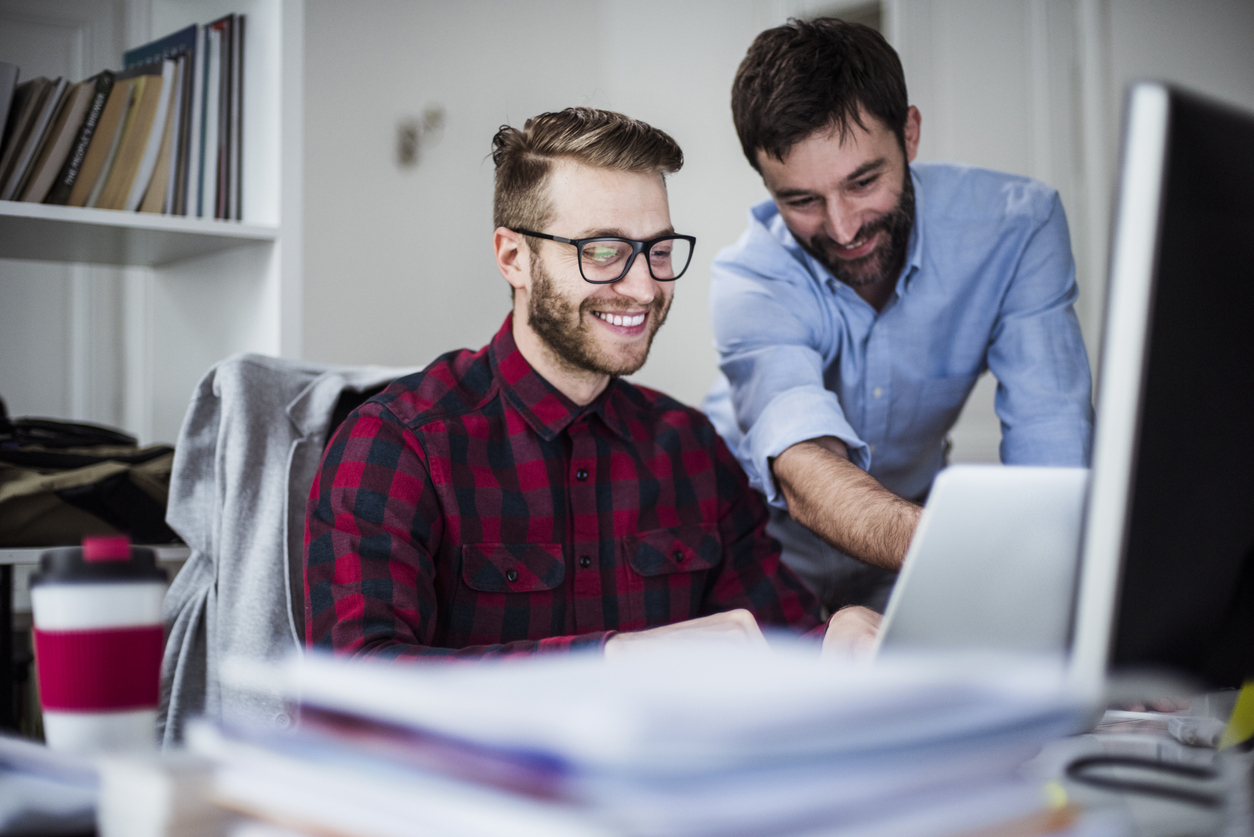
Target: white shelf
x,y
108,236
30,554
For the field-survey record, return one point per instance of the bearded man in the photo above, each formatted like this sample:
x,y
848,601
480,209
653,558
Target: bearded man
x,y
855,314
524,497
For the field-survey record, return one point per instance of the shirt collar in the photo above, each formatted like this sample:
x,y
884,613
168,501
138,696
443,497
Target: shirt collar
x,y
543,406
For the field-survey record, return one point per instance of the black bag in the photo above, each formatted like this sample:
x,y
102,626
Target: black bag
x,y
62,480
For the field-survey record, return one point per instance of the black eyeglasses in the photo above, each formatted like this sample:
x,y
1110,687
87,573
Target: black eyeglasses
x,y
604,259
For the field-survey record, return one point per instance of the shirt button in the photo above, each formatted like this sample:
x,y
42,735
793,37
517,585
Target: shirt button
x,y
511,575
871,448
585,562
877,392
581,474
678,555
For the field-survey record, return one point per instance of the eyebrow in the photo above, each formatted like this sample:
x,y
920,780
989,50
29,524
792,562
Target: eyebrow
x,y
614,232
866,168
859,172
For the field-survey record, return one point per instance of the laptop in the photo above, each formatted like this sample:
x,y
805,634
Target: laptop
x,y
992,565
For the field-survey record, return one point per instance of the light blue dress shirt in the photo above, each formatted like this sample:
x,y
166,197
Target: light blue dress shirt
x,y
989,283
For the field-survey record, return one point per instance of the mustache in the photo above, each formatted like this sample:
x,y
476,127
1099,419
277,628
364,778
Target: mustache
x,y
870,228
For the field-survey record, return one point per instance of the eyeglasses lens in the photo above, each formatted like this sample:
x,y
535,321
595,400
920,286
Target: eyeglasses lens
x,y
669,257
605,259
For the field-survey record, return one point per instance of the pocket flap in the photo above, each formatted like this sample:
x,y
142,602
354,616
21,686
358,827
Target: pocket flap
x,y
679,549
512,567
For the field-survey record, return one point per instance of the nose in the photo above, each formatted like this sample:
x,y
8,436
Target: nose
x,y
843,222
638,285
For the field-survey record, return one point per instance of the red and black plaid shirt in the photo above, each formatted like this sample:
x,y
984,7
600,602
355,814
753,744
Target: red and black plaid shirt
x,y
471,508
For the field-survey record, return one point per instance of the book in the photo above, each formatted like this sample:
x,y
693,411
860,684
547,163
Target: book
x,y
222,153
28,99
107,135
134,139
157,195
191,169
171,46
184,45
175,164
235,148
152,146
65,179
212,120
24,162
8,81
60,141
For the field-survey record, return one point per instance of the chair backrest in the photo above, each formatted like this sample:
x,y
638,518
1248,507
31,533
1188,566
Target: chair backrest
x,y
250,444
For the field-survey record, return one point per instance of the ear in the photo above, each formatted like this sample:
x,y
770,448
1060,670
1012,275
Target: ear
x,y
513,258
913,121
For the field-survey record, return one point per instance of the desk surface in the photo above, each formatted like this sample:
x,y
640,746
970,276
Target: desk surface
x,y
1153,816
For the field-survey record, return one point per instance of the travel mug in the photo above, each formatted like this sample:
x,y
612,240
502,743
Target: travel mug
x,y
98,640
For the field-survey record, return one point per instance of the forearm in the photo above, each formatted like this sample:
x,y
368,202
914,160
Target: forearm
x,y
843,504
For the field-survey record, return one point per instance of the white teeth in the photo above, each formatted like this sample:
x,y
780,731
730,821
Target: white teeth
x,y
853,246
619,320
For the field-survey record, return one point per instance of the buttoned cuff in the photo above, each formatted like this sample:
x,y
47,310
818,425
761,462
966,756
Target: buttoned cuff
x,y
796,415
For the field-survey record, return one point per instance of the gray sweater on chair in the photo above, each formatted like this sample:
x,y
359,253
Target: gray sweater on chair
x,y
245,458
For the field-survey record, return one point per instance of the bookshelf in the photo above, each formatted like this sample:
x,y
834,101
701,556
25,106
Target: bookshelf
x,y
190,291
110,237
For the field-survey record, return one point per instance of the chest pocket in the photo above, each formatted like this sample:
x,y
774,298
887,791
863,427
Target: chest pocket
x,y
512,568
669,570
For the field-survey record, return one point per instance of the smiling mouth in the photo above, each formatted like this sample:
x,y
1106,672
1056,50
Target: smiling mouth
x,y
625,320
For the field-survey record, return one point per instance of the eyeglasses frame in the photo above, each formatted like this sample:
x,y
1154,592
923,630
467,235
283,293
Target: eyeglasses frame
x,y
637,247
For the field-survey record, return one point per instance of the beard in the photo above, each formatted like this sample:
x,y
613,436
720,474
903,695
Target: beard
x,y
560,323
885,261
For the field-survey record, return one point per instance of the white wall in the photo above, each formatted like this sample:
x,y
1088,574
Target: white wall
x,y
398,265
60,325
1036,86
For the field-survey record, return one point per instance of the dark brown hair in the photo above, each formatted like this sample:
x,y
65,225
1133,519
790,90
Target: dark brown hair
x,y
808,76
599,138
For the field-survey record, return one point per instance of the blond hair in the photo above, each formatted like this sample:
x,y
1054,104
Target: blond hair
x,y
598,138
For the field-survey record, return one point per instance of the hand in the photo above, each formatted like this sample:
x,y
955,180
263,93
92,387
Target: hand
x,y
736,626
851,632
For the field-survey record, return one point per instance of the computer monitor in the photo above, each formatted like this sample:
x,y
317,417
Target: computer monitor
x,y
1167,563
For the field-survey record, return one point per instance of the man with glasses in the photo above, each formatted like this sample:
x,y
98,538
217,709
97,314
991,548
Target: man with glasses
x,y
855,314
524,497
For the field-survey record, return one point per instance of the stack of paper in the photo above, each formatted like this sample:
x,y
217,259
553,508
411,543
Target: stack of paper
x,y
699,741
44,792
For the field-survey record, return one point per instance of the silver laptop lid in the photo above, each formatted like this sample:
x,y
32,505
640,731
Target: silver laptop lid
x,y
993,563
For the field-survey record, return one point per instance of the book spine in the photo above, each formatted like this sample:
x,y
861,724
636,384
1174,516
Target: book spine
x,y
176,140
237,121
196,131
60,192
152,144
35,140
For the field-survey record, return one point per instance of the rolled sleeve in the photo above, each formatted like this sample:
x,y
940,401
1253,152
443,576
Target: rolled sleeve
x,y
794,416
774,344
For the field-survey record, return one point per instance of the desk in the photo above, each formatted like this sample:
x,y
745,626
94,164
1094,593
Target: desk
x,y
11,557
1153,816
